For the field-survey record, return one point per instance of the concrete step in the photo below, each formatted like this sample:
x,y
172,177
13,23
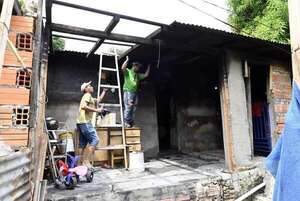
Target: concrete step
x,y
262,197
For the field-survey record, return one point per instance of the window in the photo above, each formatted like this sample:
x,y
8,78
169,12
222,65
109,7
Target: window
x,y
24,41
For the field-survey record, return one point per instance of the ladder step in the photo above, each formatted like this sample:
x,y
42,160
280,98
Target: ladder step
x,y
108,53
110,104
112,147
112,126
108,69
109,86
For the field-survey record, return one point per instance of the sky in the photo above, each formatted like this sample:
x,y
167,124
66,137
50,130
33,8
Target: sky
x,y
163,11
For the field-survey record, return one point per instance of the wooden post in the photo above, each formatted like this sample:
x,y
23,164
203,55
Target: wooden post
x,y
294,17
5,18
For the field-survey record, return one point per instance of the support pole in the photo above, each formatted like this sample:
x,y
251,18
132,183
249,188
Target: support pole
x,y
5,18
294,17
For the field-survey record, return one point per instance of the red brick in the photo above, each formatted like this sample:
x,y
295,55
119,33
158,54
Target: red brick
x,y
8,76
14,137
11,60
14,96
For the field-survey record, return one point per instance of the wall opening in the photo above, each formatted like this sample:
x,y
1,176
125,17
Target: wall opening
x,y
188,107
260,110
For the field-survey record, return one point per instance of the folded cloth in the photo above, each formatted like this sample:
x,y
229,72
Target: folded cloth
x,y
284,160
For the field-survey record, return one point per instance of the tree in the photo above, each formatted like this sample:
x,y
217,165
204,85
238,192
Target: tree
x,y
265,19
58,43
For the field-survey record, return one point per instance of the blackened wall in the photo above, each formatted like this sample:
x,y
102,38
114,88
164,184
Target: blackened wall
x,y
68,70
189,107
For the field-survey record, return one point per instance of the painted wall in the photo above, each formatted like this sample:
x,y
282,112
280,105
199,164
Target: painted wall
x,y
68,70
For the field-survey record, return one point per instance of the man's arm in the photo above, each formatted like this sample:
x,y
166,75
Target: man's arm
x,y
147,73
124,66
100,98
91,109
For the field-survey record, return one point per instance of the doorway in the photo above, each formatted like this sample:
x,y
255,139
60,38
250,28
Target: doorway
x,y
260,110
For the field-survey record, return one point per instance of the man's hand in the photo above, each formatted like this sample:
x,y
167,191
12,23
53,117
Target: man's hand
x,y
147,71
124,65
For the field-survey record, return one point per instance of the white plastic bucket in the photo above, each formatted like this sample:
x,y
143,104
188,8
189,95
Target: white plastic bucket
x,y
136,161
67,140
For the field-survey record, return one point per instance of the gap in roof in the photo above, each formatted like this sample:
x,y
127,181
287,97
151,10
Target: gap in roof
x,y
132,28
74,36
79,18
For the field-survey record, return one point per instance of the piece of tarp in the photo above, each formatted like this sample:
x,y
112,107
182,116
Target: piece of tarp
x,y
284,160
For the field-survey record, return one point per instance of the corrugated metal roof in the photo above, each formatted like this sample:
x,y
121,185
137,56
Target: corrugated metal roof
x,y
200,38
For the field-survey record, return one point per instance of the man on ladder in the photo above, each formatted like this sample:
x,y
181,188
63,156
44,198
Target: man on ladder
x,y
132,77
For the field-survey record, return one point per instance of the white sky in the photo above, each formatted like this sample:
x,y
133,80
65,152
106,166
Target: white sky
x,y
164,11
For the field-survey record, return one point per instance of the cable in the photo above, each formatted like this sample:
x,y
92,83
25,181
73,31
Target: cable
x,y
232,26
158,60
230,11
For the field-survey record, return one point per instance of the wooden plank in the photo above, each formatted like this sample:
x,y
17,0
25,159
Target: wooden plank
x,y
132,132
133,140
102,155
135,147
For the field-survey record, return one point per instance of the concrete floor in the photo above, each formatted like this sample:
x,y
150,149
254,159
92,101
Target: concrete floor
x,y
198,176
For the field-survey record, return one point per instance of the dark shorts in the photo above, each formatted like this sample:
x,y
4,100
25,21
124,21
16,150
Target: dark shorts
x,y
87,135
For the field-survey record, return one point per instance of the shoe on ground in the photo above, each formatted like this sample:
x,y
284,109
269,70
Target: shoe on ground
x,y
128,125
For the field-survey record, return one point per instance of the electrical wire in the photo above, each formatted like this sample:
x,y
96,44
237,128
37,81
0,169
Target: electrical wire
x,y
233,13
158,59
230,25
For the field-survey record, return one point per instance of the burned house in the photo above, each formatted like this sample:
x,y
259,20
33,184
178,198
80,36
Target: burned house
x,y
215,99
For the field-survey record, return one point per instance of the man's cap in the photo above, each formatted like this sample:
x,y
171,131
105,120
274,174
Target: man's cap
x,y
84,85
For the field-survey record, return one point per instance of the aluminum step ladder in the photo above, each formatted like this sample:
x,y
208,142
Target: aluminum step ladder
x,y
110,148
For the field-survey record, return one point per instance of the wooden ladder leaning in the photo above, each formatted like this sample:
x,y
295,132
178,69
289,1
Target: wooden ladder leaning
x,y
111,148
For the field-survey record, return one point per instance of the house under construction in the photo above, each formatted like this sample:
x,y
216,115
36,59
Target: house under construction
x,y
214,104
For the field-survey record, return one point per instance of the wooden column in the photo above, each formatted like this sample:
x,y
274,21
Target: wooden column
x,y
294,18
5,18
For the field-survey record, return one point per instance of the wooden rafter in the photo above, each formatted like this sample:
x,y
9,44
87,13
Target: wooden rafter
x,y
108,30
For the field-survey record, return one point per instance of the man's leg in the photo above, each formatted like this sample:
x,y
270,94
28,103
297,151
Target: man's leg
x,y
132,102
82,144
93,140
126,108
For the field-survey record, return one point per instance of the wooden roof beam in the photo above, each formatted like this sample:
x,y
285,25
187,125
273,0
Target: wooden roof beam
x,y
108,13
48,6
99,34
108,30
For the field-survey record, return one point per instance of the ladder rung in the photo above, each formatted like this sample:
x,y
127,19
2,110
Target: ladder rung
x,y
110,104
108,53
108,69
109,86
111,126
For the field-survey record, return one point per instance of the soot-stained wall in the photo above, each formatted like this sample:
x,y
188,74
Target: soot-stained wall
x,y
189,107
68,70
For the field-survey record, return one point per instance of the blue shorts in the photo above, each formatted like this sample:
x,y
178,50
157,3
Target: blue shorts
x,y
87,134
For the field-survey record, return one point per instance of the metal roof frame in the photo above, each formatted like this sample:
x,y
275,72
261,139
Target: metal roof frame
x,y
101,35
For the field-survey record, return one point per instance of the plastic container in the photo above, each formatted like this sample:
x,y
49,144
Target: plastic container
x,y
67,139
136,161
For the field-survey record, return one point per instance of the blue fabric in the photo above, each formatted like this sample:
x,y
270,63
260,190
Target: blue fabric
x,y
284,160
130,102
87,135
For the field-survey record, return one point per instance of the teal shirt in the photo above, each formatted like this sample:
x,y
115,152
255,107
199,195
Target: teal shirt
x,y
131,80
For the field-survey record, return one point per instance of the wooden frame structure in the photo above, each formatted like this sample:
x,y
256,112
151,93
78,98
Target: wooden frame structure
x,y
101,35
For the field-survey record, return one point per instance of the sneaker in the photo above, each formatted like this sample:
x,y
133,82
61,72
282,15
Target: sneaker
x,y
127,125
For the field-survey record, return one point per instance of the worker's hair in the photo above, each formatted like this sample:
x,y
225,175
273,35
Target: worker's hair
x,y
136,64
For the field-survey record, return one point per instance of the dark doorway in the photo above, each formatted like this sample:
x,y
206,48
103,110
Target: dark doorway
x,y
260,110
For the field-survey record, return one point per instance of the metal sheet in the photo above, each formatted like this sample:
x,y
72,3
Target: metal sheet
x,y
15,176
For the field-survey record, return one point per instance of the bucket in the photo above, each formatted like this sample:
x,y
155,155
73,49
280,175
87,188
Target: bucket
x,y
67,139
136,161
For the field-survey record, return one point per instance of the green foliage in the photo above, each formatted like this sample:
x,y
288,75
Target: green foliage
x,y
58,43
266,19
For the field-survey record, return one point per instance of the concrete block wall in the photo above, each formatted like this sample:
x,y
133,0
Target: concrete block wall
x,y
280,92
15,84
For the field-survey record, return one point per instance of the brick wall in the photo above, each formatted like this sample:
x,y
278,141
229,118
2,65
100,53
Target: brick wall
x,y
281,88
15,84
